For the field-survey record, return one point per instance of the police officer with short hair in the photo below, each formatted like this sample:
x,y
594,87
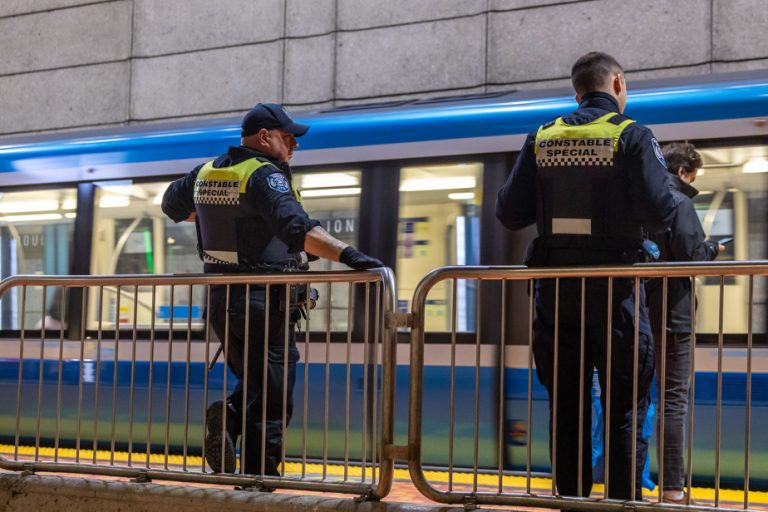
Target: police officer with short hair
x,y
591,181
249,219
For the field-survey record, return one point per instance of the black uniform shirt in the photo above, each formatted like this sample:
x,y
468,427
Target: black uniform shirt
x,y
651,202
279,213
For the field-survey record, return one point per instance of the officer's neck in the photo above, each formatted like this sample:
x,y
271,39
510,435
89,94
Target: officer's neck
x,y
599,99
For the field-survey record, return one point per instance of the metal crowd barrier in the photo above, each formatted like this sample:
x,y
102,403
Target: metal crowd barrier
x,y
496,488
136,378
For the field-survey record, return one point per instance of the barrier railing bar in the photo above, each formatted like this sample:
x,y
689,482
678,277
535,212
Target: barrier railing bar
x,y
476,446
366,362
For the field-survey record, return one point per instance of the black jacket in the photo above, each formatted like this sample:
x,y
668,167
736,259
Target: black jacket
x,y
649,200
683,241
280,214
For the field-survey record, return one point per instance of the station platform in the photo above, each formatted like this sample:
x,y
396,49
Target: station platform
x,y
403,493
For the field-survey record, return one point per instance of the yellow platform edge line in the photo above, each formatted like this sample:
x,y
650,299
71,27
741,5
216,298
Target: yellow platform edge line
x,y
439,478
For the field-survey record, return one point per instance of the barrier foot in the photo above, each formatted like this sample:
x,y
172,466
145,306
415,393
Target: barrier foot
x,y
367,497
141,478
257,487
470,502
29,470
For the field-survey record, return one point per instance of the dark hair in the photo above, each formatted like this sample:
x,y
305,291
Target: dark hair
x,y
592,71
681,154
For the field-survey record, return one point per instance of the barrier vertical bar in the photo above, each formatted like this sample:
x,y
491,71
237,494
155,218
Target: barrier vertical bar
x,y
80,377
662,383
748,414
168,380
133,373
555,385
387,375
476,446
719,406
692,370
264,369
635,386
307,310
246,389
348,383
582,324
452,391
99,335
152,322
206,370
115,360
608,379
57,439
531,309
502,367
224,390
327,382
186,380
21,371
366,355
40,381
286,330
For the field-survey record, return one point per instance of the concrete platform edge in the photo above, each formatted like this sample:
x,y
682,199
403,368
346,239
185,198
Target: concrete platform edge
x,y
63,494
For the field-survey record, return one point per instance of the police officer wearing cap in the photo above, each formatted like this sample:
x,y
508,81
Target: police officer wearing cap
x,y
249,219
591,181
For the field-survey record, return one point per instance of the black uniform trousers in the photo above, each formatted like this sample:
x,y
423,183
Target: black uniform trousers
x,y
276,368
595,356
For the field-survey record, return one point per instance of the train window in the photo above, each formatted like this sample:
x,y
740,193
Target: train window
x,y
332,198
36,232
131,235
732,203
439,224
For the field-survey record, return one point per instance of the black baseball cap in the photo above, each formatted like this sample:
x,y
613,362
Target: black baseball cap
x,y
269,116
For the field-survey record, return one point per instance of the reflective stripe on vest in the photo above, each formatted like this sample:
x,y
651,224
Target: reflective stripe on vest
x,y
564,153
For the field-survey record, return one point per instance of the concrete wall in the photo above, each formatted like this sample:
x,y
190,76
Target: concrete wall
x,y
86,63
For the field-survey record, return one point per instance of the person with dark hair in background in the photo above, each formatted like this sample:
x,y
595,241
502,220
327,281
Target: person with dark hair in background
x,y
683,241
591,181
250,220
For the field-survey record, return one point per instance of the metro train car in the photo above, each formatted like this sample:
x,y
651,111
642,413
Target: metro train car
x,y
412,182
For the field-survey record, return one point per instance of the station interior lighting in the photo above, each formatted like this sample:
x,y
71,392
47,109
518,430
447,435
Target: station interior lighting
x,y
755,165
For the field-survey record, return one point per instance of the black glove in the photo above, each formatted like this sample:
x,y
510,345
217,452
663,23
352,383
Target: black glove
x,y
358,260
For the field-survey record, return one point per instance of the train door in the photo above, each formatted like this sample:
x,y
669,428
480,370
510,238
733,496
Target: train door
x,y
36,234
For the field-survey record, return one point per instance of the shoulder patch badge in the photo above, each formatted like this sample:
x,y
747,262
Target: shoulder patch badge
x,y
657,151
278,182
